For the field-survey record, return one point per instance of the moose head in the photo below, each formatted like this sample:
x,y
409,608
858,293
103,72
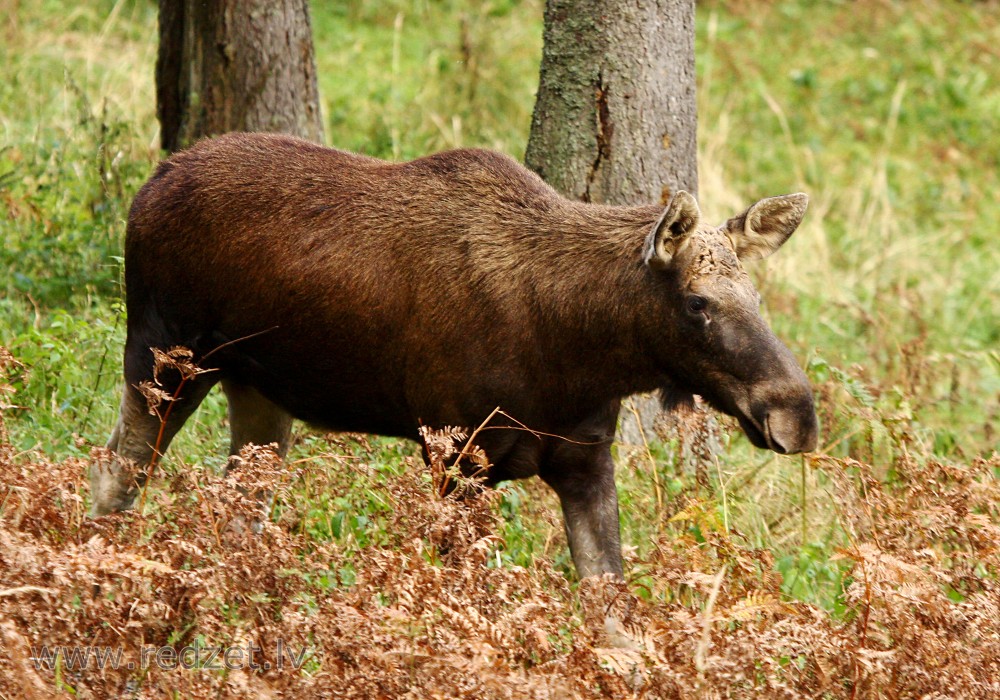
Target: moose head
x,y
718,345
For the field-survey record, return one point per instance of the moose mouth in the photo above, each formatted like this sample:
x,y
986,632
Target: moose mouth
x,y
759,434
758,431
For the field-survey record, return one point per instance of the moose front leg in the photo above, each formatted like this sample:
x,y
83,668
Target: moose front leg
x,y
583,476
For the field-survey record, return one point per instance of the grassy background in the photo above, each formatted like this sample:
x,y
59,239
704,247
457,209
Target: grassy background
x,y
889,293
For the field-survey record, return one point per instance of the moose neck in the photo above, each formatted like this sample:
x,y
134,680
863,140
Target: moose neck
x,y
580,267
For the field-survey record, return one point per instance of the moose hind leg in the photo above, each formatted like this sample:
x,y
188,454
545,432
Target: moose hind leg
x,y
115,484
254,419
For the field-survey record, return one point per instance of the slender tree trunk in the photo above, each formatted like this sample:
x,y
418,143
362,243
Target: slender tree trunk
x,y
615,120
235,65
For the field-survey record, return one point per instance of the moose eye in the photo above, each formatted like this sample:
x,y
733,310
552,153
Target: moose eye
x,y
696,304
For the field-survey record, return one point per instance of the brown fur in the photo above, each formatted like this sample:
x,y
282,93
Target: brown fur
x,y
375,297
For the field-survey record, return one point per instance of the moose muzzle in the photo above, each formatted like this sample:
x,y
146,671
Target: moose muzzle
x,y
780,415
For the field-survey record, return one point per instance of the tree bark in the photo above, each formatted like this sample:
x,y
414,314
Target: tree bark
x,y
235,65
615,120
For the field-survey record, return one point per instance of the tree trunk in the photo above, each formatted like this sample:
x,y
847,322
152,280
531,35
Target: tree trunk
x,y
615,121
235,65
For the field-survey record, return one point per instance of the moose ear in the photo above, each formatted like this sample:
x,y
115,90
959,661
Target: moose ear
x,y
678,219
765,226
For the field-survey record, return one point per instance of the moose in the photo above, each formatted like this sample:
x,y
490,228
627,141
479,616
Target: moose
x,y
366,296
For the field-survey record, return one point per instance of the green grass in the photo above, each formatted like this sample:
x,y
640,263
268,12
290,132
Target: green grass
x,y
404,78
888,294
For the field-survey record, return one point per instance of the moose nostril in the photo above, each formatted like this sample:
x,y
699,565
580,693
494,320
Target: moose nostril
x,y
790,431
775,444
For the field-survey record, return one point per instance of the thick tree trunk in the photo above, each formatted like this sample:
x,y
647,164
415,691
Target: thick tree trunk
x,y
615,121
235,65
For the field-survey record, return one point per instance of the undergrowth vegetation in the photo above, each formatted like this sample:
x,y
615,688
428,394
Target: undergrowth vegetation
x,y
427,602
868,568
